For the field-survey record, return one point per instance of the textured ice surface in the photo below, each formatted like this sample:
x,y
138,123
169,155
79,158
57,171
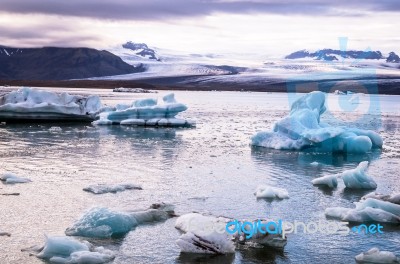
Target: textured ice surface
x,y
104,223
213,243
132,90
329,181
33,104
393,198
69,250
104,188
266,191
369,210
357,178
302,129
10,178
146,112
374,255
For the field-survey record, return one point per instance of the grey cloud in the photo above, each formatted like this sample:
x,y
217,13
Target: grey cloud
x,y
164,9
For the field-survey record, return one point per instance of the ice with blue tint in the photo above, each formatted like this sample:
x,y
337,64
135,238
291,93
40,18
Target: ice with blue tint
x,y
393,198
34,104
69,250
357,178
328,181
146,112
374,255
266,191
105,223
10,178
369,210
302,129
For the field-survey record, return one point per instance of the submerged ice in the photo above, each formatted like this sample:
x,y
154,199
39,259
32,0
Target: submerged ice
x,y
146,112
302,129
104,188
34,104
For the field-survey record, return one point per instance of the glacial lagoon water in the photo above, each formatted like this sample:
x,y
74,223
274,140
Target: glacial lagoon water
x,y
210,168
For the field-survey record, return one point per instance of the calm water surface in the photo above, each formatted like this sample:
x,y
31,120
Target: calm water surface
x,y
210,168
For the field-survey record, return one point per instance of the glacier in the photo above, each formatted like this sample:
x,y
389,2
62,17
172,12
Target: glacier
x,y
302,129
146,112
374,255
60,249
30,104
100,222
369,210
104,188
10,178
266,191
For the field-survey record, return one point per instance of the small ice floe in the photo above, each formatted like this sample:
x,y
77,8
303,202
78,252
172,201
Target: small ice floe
x,y
314,163
132,90
104,188
328,181
303,130
55,129
5,234
357,178
61,249
105,223
146,112
369,210
266,191
40,105
393,198
374,255
10,178
207,234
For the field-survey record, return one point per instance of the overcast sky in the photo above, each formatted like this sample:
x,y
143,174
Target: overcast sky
x,y
270,27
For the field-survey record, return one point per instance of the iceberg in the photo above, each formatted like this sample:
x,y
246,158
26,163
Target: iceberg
x,y
207,234
10,178
146,112
105,223
369,210
104,188
29,104
266,191
393,198
357,178
374,255
329,181
303,130
132,90
59,249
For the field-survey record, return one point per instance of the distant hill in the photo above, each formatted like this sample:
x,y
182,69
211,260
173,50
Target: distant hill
x,y
51,63
332,55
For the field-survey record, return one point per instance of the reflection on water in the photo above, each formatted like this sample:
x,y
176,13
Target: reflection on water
x,y
210,168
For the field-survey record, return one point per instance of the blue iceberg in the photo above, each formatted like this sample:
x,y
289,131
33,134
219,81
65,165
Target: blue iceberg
x,y
302,129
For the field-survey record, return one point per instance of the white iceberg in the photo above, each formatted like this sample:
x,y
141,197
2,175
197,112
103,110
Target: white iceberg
x,y
29,104
105,223
393,198
10,178
329,181
146,112
132,90
104,188
266,191
357,178
302,129
369,210
374,255
68,250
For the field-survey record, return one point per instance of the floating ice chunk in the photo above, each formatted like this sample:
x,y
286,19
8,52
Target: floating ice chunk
x,y
329,181
393,198
266,191
146,112
103,188
315,163
302,130
104,223
369,210
10,178
374,255
55,129
132,90
357,178
69,250
213,243
33,104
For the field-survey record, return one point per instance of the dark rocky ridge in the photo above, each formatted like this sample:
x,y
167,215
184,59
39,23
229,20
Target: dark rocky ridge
x,y
331,54
141,49
51,63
